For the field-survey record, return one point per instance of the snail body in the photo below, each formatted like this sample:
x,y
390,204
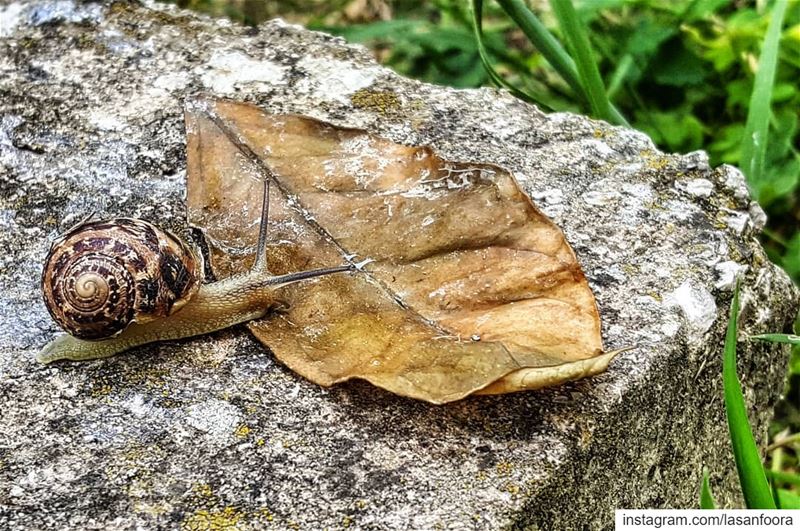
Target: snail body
x,y
117,284
214,306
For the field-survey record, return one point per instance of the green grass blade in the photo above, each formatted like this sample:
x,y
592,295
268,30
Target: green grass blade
x,y
616,116
545,42
791,339
754,143
497,79
753,480
706,498
789,499
775,494
620,73
784,477
555,54
578,43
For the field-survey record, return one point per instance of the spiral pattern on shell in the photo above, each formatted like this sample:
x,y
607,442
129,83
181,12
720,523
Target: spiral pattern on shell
x,y
102,275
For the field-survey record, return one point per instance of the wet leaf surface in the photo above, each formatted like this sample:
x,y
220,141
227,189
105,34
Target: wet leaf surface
x,y
472,289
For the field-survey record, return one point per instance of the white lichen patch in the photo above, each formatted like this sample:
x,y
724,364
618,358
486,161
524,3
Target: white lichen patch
x,y
627,168
661,271
216,418
636,197
697,305
10,17
601,197
616,272
637,192
670,327
597,148
603,193
695,160
62,69
550,201
106,121
734,180
7,222
727,273
64,10
757,216
139,405
8,123
707,253
172,81
228,71
57,475
696,187
382,456
333,79
119,44
679,210
503,126
737,221
634,140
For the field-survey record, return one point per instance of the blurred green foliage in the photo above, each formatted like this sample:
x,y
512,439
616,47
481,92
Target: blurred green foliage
x,y
433,42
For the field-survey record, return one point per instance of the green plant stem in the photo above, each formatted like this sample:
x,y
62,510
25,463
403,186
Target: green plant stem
x,y
706,498
783,441
620,73
789,339
557,56
754,143
494,76
544,41
784,477
755,488
578,43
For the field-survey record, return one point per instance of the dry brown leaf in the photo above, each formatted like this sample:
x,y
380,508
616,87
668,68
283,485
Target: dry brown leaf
x,y
472,289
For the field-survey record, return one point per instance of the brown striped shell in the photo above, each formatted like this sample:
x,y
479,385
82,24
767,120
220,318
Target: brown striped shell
x,y
103,275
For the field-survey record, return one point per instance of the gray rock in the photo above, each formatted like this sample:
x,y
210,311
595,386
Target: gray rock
x,y
212,432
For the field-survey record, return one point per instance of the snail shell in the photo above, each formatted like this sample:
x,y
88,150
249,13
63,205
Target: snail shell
x,y
103,275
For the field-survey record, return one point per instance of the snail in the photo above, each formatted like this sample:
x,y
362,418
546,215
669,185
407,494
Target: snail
x,y
117,284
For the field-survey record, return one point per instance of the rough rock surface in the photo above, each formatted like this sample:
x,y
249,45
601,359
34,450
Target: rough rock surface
x,y
213,432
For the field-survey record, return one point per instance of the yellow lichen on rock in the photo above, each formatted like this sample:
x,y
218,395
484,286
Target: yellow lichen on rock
x,y
227,518
382,102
